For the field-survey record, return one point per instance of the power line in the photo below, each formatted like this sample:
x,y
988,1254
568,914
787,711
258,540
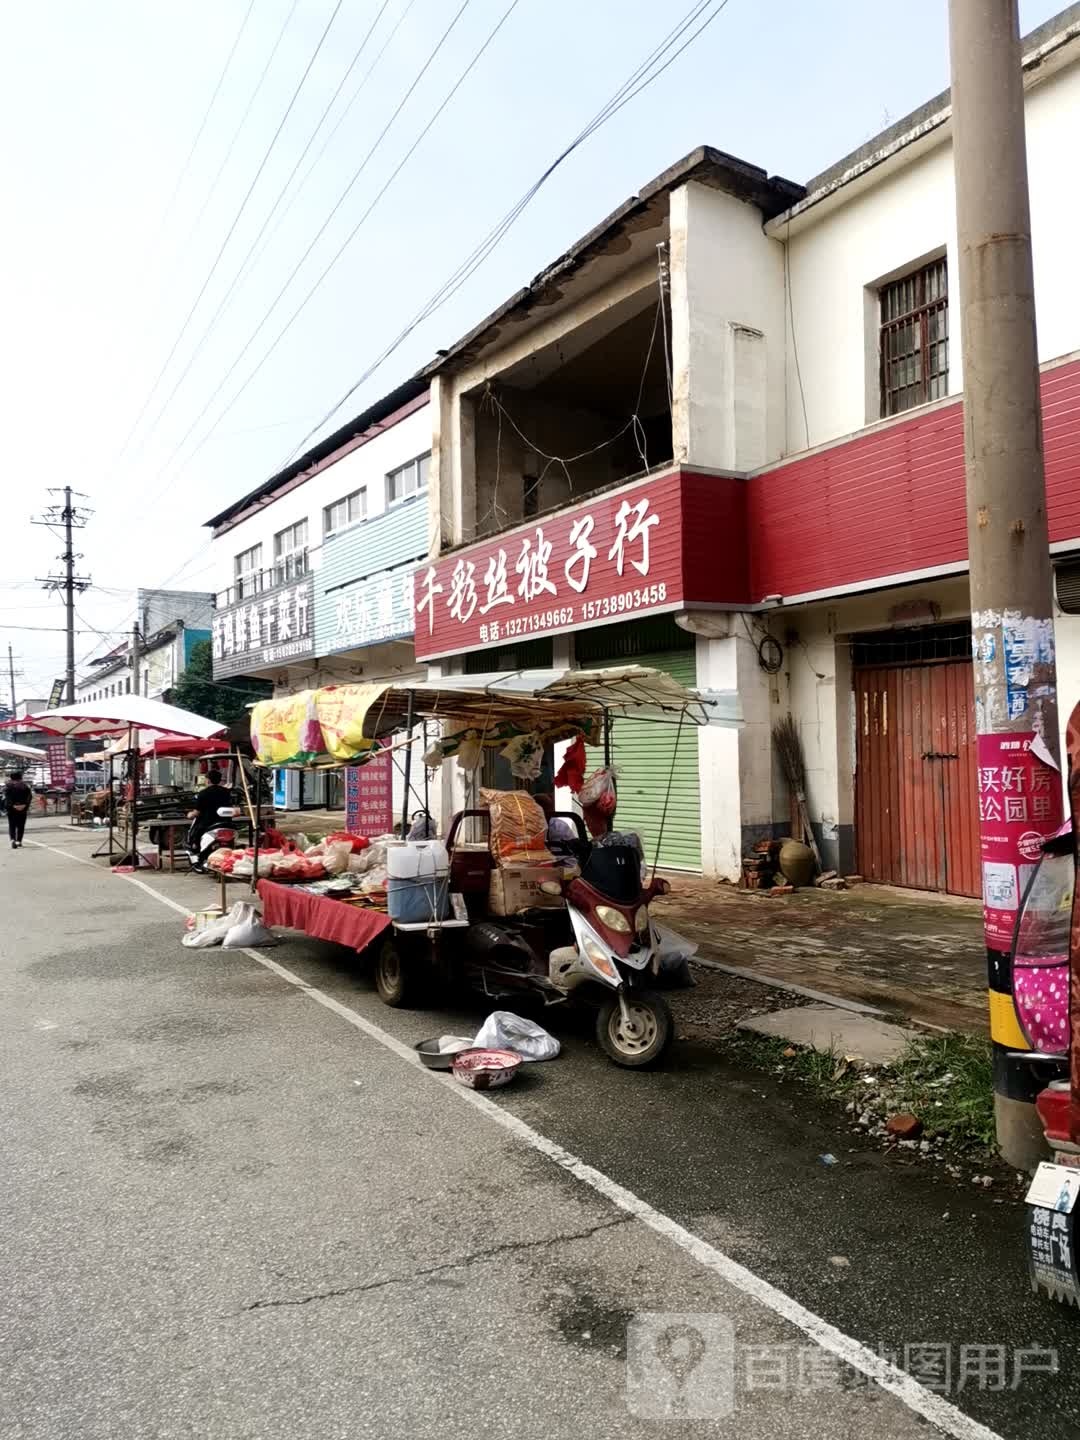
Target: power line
x,y
265,240
631,87
348,240
206,116
202,211
228,236
260,231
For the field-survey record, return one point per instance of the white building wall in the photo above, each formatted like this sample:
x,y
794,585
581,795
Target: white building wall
x,y
727,332
844,248
367,466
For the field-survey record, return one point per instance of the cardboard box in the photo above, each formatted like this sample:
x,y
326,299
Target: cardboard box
x,y
517,887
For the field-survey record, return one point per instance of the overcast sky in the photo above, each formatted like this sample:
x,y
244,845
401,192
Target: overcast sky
x,y
102,256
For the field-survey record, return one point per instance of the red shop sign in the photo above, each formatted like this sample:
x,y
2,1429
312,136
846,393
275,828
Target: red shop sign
x,y
656,545
1020,805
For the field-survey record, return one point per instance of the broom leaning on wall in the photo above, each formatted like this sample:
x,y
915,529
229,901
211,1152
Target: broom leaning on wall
x,y
789,748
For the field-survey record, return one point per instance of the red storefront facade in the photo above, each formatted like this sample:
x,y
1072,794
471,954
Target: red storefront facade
x,y
886,506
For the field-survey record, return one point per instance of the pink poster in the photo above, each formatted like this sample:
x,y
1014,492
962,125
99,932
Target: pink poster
x,y
369,796
1020,804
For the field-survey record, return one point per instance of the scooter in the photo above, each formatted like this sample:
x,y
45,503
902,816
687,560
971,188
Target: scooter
x,y
598,947
219,836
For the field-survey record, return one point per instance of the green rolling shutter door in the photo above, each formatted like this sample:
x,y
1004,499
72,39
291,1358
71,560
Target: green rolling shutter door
x,y
645,754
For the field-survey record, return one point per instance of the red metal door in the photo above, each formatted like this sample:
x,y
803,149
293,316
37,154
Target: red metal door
x,y
915,813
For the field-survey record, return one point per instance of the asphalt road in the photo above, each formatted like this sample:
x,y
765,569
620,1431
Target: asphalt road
x,y
231,1207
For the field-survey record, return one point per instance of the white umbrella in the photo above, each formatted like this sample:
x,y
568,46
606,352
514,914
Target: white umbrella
x,y
11,751
123,713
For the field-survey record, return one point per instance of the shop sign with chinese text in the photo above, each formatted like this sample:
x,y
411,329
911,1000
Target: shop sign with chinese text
x,y
1020,805
656,545
364,586
274,627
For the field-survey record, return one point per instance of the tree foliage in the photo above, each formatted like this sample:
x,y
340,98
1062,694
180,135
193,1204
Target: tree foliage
x,y
225,701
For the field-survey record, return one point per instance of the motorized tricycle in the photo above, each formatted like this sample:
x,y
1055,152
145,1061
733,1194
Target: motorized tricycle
x,y
592,941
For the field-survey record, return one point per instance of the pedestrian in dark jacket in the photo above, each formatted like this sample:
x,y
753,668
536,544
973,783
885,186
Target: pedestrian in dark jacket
x,y
17,797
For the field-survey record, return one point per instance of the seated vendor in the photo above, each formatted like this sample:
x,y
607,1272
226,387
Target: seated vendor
x,y
207,804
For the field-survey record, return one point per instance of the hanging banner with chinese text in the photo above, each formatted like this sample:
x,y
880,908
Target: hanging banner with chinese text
x,y
61,767
666,543
369,796
1020,805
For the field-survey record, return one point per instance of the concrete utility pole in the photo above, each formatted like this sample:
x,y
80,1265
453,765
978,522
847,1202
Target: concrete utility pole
x,y
71,518
135,658
1020,796
11,676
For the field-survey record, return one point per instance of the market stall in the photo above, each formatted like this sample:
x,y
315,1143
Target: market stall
x,y
555,904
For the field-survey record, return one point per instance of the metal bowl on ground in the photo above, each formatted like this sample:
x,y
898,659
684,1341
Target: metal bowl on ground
x,y
433,1057
485,1069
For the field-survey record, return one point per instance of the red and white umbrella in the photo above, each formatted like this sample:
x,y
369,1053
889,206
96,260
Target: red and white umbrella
x,y
123,714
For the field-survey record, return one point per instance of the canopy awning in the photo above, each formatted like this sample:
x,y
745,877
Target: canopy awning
x,y
120,714
340,724
182,747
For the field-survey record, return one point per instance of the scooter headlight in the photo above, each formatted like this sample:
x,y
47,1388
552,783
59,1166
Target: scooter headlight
x,y
613,919
641,920
599,958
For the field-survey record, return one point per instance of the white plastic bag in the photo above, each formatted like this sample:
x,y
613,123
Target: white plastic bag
x,y
336,856
247,928
503,1030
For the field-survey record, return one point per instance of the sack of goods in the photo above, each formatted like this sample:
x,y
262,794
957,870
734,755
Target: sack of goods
x,y
518,828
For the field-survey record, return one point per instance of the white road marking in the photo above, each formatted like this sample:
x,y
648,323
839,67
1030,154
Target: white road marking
x,y
932,1407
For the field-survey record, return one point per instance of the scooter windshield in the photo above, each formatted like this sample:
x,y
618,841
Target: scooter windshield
x,y
1041,955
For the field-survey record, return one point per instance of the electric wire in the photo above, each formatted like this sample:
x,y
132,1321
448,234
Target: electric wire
x,y
641,79
238,278
202,124
321,231
198,220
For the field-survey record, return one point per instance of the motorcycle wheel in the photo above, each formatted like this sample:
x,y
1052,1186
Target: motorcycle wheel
x,y
644,1040
396,979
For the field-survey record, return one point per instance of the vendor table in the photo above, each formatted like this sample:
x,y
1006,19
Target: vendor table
x,y
166,840
320,916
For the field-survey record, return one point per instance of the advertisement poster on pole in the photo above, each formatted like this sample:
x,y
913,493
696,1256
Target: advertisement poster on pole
x,y
1020,805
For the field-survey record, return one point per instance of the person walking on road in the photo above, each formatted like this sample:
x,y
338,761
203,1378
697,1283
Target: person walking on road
x,y
17,797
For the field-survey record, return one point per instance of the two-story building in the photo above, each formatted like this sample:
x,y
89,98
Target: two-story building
x,y
170,623
315,566
722,434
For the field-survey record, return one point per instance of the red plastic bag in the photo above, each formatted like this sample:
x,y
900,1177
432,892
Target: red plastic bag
x,y
572,770
358,842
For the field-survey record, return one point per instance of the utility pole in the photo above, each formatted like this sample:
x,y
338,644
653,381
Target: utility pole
x,y
1020,795
11,677
135,658
72,518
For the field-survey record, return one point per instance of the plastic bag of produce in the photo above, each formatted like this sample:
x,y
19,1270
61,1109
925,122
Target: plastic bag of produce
x,y
503,1030
518,828
336,856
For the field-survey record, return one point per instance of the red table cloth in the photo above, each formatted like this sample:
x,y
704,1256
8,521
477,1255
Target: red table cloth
x,y
320,916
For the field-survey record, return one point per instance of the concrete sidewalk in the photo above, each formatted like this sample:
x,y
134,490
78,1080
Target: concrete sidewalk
x,y
914,955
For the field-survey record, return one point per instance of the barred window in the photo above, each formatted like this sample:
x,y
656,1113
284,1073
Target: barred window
x,y
915,339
